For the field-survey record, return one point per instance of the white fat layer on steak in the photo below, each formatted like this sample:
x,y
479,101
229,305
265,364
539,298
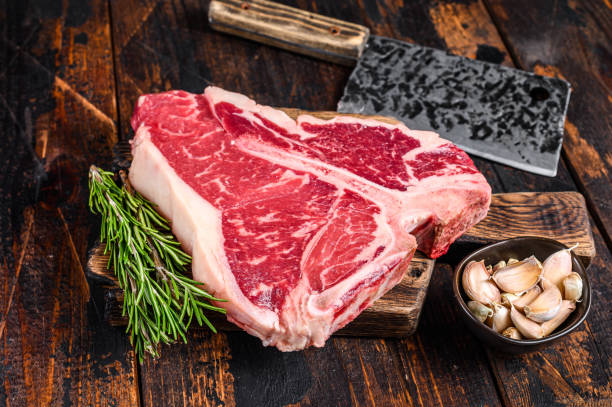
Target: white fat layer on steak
x,y
197,225
307,317
403,203
394,201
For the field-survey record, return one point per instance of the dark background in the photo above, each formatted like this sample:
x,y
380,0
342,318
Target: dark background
x,y
70,72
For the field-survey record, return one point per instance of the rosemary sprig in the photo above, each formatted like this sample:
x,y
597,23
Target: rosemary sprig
x,y
150,266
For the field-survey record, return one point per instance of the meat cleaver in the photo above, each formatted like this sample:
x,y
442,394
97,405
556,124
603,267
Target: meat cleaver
x,y
505,115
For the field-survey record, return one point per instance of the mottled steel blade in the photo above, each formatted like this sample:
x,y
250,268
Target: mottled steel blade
x,y
502,114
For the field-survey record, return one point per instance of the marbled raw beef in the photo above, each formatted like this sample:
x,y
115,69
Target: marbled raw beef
x,y
299,224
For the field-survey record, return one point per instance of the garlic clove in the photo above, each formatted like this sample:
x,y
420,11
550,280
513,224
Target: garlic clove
x,y
511,261
545,284
527,328
572,287
477,285
545,306
500,264
500,319
512,332
526,298
508,299
480,311
556,267
567,307
518,277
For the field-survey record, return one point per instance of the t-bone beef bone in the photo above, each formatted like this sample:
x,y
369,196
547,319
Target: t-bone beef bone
x,y
299,224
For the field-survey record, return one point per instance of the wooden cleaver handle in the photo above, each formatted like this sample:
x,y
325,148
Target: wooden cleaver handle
x,y
290,28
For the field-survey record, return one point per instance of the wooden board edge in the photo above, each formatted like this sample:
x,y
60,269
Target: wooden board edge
x,y
402,318
554,210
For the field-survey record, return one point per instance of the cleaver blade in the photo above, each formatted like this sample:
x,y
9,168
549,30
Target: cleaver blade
x,y
503,114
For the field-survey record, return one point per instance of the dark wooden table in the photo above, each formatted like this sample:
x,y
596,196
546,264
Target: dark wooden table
x,y
70,72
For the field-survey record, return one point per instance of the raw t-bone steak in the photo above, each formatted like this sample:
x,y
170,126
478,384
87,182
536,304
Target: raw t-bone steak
x,y
299,224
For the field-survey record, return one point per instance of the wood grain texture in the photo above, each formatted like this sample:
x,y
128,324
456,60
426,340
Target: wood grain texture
x,y
396,314
57,115
560,215
182,53
193,374
290,28
539,379
399,309
58,112
166,45
575,371
466,29
437,366
408,22
575,45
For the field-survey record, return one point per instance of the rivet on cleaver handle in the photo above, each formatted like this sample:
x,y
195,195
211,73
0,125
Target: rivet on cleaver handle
x,y
290,28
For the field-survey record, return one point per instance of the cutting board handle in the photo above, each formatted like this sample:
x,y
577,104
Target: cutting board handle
x,y
290,28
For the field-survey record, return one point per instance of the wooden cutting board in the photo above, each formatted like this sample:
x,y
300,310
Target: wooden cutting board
x,y
558,215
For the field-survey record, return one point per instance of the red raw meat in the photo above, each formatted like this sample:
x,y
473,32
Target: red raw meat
x,y
299,224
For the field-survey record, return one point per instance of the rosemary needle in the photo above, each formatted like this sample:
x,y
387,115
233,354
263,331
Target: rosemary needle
x,y
159,300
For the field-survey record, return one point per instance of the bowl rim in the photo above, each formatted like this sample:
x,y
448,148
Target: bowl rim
x,y
457,290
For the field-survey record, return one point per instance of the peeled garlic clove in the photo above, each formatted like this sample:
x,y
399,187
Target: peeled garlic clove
x,y
556,267
500,264
546,305
527,328
572,287
480,311
477,285
500,319
518,277
567,307
512,332
508,299
526,298
511,261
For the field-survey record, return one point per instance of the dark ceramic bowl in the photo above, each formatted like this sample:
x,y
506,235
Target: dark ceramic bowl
x,y
520,248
